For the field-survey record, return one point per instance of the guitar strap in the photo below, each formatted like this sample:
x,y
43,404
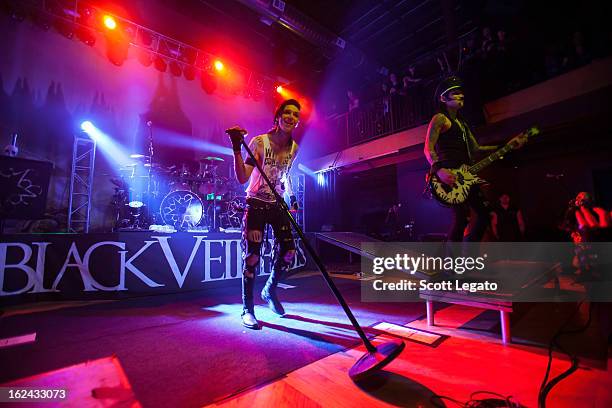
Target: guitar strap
x,y
462,126
433,168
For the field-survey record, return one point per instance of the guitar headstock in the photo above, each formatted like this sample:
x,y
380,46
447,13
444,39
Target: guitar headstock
x,y
532,131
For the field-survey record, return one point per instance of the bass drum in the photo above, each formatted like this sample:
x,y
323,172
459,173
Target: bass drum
x,y
232,214
182,209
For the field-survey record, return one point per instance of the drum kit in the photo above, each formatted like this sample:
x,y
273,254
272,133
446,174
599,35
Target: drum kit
x,y
151,196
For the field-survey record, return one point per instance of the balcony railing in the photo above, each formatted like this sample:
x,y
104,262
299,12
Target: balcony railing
x,y
385,115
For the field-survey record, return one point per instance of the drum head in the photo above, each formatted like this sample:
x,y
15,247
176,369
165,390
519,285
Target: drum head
x,y
181,209
208,187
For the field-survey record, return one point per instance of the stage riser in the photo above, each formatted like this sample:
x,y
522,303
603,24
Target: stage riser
x,y
65,266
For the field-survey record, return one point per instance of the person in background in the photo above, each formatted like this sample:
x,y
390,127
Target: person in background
x,y
395,86
488,43
595,224
507,221
353,100
578,54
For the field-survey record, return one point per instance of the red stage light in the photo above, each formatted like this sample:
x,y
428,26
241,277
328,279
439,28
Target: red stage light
x,y
219,65
116,51
279,89
86,35
160,64
175,69
109,22
189,72
208,82
145,57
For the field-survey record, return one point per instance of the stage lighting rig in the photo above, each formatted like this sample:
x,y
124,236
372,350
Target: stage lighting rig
x,y
175,69
86,35
160,64
116,50
189,72
145,57
188,55
208,82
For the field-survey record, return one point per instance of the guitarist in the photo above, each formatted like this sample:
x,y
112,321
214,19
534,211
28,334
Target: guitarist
x,y
449,144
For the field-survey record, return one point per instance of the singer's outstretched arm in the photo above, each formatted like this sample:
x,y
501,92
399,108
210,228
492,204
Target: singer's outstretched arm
x,y
244,170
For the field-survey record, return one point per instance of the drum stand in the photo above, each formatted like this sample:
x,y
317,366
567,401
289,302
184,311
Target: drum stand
x,y
376,357
214,226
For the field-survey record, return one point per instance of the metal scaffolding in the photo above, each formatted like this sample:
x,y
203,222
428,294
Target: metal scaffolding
x,y
81,183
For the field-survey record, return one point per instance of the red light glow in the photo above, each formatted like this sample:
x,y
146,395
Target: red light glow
x,y
109,22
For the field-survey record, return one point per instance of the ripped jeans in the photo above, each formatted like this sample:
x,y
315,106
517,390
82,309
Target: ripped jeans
x,y
259,213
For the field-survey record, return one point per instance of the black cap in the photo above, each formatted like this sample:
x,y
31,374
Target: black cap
x,y
447,84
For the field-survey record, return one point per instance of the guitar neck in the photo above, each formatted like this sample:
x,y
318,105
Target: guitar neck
x,y
498,154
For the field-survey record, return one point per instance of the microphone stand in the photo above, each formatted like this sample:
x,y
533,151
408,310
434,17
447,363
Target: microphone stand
x,y
376,357
149,181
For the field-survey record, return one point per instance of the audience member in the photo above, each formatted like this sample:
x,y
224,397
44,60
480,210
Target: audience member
x,y
488,43
501,46
578,53
353,100
470,52
394,85
552,61
507,221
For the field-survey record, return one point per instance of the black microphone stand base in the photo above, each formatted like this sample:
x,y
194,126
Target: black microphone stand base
x,y
376,357
373,361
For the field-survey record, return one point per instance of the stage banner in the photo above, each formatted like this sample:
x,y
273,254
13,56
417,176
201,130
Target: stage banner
x,y
78,266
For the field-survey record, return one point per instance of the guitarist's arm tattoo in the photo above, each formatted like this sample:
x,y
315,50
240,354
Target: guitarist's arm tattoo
x,y
437,124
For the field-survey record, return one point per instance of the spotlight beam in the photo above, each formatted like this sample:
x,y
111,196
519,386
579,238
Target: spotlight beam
x,y
109,147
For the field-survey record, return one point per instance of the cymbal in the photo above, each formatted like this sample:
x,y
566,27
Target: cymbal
x,y
155,165
212,158
139,156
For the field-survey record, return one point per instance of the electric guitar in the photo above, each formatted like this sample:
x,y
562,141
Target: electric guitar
x,y
466,177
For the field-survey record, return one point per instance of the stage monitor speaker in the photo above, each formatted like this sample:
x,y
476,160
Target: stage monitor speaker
x,y
24,185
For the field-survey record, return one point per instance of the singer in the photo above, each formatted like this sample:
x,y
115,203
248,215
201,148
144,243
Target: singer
x,y
275,151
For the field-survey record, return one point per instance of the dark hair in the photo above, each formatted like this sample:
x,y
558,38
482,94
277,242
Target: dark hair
x,y
283,105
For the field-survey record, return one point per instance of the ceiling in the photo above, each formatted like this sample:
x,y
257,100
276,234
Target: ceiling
x,y
394,33
387,33
390,33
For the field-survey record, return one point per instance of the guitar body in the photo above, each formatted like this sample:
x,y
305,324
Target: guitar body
x,y
457,193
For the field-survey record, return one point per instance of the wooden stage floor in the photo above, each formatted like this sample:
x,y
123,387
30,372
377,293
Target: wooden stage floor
x,y
466,362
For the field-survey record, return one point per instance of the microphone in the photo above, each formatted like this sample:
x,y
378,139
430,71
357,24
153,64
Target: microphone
x,y
234,131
